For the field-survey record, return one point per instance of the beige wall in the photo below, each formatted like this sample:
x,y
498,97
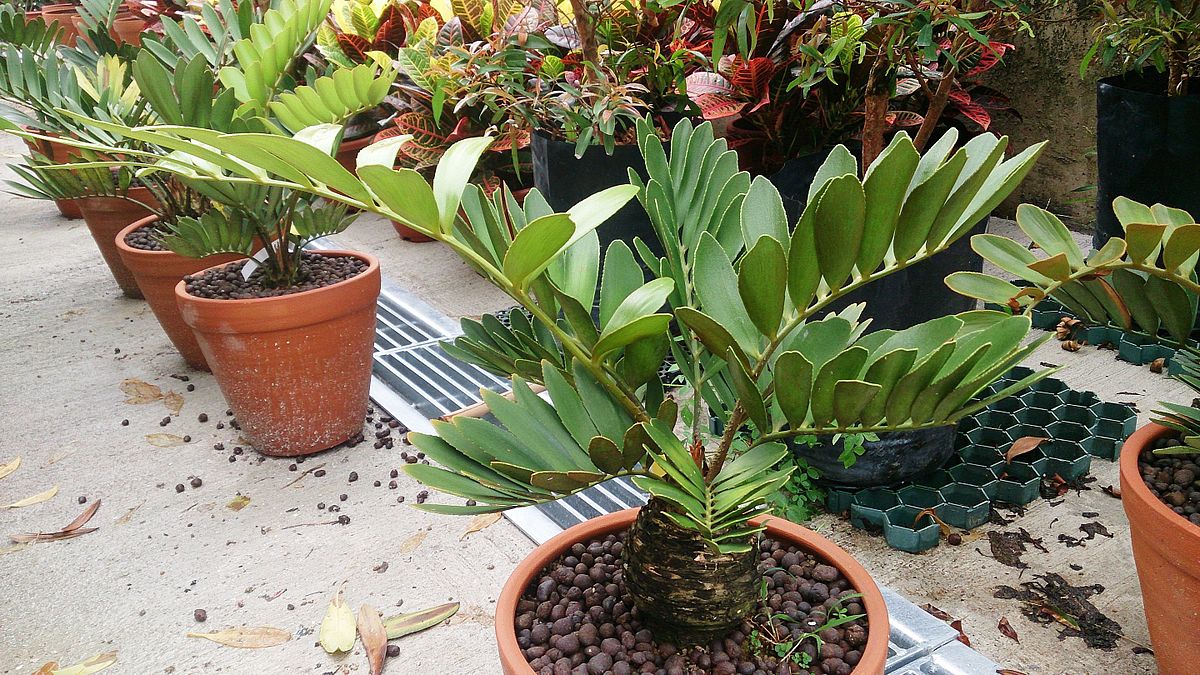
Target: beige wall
x,y
1042,79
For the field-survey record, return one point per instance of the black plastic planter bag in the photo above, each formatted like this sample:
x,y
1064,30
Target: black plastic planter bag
x,y
564,181
1147,148
902,299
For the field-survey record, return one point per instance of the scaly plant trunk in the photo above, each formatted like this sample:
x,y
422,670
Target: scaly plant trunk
x,y
684,592
875,111
585,26
937,105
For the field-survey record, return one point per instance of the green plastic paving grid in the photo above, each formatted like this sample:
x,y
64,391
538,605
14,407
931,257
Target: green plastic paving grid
x,y
1080,427
1132,346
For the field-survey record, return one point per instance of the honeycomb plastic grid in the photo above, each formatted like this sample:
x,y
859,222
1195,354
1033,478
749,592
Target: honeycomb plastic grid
x,y
1133,347
1080,427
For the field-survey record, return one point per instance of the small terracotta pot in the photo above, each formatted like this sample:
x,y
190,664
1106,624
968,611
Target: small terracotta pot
x,y
105,217
65,14
408,234
347,154
874,654
156,274
59,154
295,369
1166,550
129,28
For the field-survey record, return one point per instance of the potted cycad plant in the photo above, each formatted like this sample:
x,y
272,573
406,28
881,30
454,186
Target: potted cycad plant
x,y
1144,281
1148,117
745,295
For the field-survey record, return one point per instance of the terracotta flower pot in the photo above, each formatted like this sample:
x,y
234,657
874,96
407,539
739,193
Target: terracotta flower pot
x,y
408,234
295,369
513,661
105,217
129,28
59,154
347,154
1166,549
157,273
65,14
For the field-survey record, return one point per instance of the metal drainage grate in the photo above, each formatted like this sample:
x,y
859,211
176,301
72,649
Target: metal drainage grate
x,y
414,381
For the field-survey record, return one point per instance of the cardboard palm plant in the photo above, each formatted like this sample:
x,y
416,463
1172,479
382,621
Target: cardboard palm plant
x,y
738,298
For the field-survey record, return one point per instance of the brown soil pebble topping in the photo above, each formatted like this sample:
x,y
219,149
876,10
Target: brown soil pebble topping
x,y
145,239
316,271
577,618
1174,479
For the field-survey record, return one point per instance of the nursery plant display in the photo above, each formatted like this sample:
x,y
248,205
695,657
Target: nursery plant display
x,y
736,330
1149,274
1147,128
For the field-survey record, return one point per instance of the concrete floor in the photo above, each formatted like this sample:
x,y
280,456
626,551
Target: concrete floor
x,y
68,340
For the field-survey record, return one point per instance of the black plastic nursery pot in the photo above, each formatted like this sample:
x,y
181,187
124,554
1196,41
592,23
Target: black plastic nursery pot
x,y
902,299
1147,148
564,180
895,458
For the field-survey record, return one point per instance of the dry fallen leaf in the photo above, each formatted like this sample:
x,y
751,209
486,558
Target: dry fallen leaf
x,y
35,499
1007,630
1157,365
138,392
479,522
70,531
412,542
173,401
164,440
412,622
47,668
374,637
1007,671
1072,345
6,469
238,503
247,637
337,628
93,665
1023,445
129,514
13,549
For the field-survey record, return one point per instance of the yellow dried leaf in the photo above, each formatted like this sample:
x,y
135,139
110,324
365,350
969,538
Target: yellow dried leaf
x,y
35,499
164,440
479,522
93,665
138,392
238,503
47,668
6,469
338,629
173,401
247,637
412,542
13,549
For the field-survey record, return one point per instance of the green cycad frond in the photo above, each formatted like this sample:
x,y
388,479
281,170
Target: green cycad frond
x,y
1146,281
221,230
310,223
20,30
333,98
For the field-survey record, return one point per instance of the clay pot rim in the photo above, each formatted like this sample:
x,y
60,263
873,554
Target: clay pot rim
x,y
372,266
136,225
513,662
1133,487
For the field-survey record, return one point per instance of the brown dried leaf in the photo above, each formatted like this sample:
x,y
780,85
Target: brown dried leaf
x,y
30,537
962,637
1007,671
47,668
480,522
247,637
373,636
1156,366
1007,630
1023,445
238,503
412,542
935,611
1072,345
30,501
943,528
93,665
129,514
173,401
1112,491
164,440
6,469
84,517
138,392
